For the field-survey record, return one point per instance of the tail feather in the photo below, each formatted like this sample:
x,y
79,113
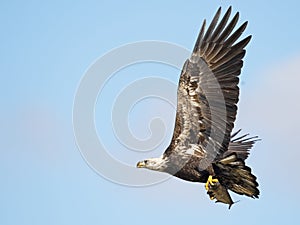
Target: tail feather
x,y
233,174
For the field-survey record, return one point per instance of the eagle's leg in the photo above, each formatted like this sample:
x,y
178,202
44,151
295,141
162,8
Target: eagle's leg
x,y
210,181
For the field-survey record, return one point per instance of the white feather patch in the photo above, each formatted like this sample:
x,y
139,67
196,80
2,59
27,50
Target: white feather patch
x,y
195,150
228,159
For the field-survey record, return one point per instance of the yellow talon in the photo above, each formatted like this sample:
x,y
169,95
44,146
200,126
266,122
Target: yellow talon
x,y
210,181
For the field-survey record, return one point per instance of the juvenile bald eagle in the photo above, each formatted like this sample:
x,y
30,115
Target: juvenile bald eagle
x,y
203,147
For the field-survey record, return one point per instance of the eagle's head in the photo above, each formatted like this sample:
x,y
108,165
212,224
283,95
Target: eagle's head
x,y
158,164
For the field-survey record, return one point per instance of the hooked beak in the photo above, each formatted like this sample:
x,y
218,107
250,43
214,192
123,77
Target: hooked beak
x,y
140,164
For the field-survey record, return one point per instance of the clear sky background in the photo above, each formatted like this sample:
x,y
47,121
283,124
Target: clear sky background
x,y
45,50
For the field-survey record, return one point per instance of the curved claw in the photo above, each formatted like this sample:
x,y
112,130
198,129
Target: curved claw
x,y
210,181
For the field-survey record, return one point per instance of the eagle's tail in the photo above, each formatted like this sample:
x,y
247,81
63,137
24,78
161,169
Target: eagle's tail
x,y
231,169
234,175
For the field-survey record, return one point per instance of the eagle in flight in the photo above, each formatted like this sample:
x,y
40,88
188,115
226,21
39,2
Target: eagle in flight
x,y
204,148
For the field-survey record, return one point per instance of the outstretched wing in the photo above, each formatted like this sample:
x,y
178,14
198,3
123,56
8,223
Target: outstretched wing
x,y
208,90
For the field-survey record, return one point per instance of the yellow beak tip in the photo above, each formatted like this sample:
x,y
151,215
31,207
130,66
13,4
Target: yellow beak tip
x,y
140,165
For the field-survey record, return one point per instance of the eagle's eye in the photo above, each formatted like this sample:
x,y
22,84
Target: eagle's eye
x,y
145,161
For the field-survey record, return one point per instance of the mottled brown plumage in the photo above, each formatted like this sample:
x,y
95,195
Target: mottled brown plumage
x,y
203,143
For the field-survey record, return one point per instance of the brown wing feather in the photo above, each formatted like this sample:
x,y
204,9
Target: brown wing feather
x,y
240,145
208,88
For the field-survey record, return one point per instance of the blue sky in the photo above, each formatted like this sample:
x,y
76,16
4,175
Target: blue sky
x,y
46,49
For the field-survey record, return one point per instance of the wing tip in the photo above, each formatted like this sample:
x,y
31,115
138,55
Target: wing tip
x,y
200,36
